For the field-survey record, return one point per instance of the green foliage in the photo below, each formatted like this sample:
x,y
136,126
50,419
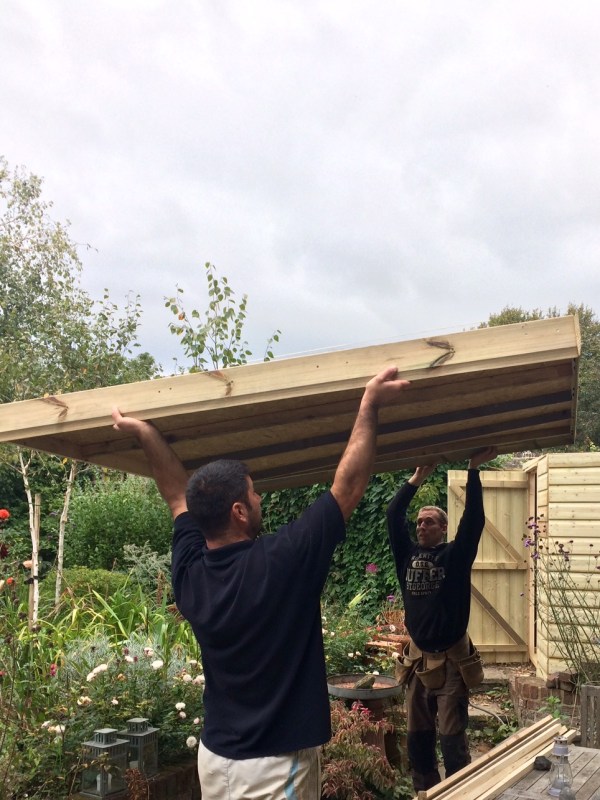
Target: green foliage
x,y
15,543
148,569
215,339
53,337
552,706
94,663
79,582
588,402
345,636
111,514
352,769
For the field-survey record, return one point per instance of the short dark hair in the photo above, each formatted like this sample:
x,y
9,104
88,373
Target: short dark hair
x,y
211,492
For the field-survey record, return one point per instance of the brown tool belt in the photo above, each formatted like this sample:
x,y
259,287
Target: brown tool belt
x,y
430,668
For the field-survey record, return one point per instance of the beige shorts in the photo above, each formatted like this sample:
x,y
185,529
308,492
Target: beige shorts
x,y
290,776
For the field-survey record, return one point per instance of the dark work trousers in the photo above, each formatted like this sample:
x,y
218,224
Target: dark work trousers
x,y
449,704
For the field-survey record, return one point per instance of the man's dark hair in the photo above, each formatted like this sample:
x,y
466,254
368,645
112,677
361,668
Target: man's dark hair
x,y
212,490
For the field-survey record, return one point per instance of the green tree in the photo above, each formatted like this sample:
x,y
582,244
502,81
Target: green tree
x,y
215,339
53,337
587,435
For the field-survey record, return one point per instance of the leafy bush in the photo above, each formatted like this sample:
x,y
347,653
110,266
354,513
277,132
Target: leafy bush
x,y
79,582
148,569
352,769
345,635
96,663
109,515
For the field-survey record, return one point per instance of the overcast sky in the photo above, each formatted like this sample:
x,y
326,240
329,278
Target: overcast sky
x,y
366,171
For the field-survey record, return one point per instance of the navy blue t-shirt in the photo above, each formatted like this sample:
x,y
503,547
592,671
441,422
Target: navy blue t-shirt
x,y
254,607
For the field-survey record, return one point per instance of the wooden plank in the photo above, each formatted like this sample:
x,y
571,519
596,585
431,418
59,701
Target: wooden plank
x,y
545,724
496,771
574,493
289,419
574,511
492,529
578,475
533,784
570,460
504,625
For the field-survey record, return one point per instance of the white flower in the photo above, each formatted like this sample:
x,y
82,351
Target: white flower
x,y
179,706
182,714
187,678
84,700
358,653
46,724
332,633
395,655
114,701
350,655
323,631
191,742
100,668
392,628
148,651
56,729
199,679
90,676
129,659
157,664
197,720
375,672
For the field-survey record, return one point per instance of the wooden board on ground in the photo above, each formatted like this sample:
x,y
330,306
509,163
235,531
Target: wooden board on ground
x,y
513,386
486,777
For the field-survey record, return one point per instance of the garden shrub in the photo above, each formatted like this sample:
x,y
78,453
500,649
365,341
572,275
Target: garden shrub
x,y
109,515
73,673
82,582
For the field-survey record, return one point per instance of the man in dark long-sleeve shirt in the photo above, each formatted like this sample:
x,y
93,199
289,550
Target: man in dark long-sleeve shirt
x,y
435,579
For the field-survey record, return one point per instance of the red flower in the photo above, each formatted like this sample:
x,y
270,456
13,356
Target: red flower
x,y
4,514
372,568
53,670
10,581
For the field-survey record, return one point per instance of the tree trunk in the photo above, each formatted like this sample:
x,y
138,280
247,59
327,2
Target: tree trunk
x,y
61,531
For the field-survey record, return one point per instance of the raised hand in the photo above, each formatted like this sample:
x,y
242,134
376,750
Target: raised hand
x,y
479,457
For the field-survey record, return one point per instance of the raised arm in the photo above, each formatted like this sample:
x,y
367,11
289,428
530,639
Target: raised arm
x,y
356,464
167,470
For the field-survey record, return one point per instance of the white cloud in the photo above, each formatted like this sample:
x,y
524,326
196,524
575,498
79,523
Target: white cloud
x,y
365,172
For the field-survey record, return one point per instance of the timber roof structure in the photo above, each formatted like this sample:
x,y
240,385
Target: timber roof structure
x,y
513,386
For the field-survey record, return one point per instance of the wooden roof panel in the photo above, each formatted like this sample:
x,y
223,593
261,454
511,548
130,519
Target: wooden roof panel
x,y
514,386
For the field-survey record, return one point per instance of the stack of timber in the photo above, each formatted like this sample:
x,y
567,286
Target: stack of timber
x,y
512,386
388,642
488,776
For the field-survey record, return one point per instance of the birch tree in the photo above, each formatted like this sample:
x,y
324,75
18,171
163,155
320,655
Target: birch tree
x,y
53,337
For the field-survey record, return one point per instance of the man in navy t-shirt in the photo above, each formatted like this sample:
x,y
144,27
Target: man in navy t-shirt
x,y
254,606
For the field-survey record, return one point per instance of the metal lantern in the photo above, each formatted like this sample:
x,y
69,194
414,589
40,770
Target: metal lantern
x,y
561,776
108,757
143,745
